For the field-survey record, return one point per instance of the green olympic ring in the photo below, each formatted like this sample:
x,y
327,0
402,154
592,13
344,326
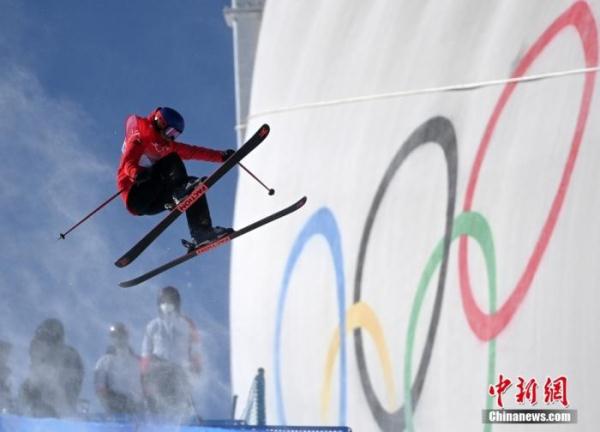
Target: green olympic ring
x,y
471,224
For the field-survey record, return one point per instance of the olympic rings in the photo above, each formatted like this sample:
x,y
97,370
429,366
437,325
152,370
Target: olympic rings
x,y
469,224
488,326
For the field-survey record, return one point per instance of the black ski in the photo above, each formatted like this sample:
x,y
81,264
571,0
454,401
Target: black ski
x,y
214,244
198,191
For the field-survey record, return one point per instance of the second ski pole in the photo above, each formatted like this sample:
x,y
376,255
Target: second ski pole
x,y
270,190
89,215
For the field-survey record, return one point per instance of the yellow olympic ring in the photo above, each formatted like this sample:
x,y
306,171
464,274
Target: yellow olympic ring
x,y
360,315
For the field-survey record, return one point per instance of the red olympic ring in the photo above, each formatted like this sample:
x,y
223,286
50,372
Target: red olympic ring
x,y
488,326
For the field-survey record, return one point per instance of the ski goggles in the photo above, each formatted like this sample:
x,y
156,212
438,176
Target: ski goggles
x,y
171,133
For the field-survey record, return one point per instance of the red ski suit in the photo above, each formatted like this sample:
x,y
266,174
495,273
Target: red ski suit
x,y
144,145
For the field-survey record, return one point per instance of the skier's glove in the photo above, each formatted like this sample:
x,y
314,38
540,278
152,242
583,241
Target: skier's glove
x,y
226,154
143,176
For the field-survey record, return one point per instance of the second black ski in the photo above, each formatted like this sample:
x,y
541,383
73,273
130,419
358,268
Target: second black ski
x,y
214,244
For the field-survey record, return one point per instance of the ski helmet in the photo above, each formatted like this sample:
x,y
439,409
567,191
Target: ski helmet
x,y
170,294
168,122
118,331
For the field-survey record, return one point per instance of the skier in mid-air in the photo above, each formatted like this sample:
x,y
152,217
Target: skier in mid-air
x,y
153,178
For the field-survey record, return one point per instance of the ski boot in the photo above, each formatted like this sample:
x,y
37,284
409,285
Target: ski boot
x,y
202,237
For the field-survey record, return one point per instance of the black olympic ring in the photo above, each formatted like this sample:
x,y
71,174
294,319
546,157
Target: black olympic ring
x,y
438,130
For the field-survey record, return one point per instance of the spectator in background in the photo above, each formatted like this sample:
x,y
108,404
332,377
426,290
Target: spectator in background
x,y
117,375
170,359
6,401
55,375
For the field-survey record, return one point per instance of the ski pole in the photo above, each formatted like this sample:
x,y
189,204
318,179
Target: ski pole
x,y
97,209
271,191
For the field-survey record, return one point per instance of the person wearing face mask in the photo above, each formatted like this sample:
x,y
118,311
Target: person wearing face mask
x,y
170,359
117,375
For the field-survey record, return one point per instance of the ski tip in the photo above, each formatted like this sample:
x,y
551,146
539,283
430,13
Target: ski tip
x,y
124,285
122,262
264,130
301,202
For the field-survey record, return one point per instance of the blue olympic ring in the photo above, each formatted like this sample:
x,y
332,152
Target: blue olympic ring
x,y
321,223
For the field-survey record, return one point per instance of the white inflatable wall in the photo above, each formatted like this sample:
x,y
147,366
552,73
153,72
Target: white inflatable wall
x,y
452,235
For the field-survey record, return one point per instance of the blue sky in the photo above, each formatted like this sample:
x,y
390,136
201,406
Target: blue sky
x,y
70,73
